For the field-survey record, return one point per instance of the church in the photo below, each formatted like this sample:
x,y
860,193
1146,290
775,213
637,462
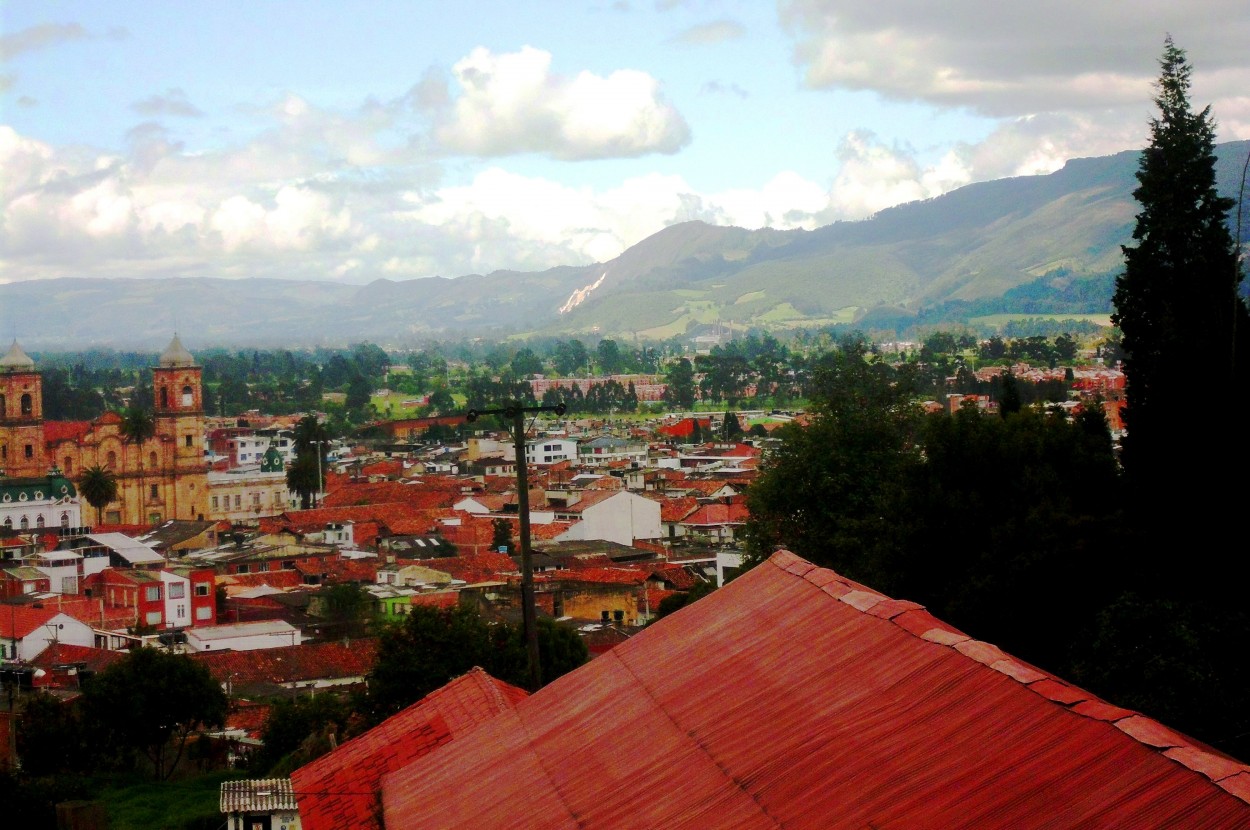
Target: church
x,y
165,477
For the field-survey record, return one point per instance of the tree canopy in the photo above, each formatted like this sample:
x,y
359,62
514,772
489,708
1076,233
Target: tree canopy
x,y
151,702
434,646
1177,303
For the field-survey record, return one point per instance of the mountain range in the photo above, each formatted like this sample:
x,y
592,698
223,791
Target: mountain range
x,y
1030,244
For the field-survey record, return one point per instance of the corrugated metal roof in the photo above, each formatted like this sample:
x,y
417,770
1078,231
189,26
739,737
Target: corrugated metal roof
x,y
341,789
796,698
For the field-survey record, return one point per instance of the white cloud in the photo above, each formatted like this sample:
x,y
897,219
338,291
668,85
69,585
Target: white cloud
x,y
718,31
1012,59
173,102
513,103
39,37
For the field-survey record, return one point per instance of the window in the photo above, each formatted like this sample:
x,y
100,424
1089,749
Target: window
x,y
3,408
68,466
153,463
177,590
65,520
110,460
154,492
112,517
39,522
201,589
164,398
24,524
238,502
203,613
188,397
180,611
256,499
152,593
190,442
30,450
215,505
153,618
27,405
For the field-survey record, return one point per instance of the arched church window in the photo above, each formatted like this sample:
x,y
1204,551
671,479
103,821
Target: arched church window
x,y
188,397
152,461
68,467
24,524
64,520
39,521
164,398
110,460
28,405
3,407
8,522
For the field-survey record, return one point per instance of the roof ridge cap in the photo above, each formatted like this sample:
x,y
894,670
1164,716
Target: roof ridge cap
x,y
1224,771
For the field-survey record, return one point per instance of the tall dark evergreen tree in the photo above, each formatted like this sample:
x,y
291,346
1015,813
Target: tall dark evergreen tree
x,y
1177,301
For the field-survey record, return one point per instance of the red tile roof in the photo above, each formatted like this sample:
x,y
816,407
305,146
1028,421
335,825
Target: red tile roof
x,y
55,432
472,568
715,515
289,664
414,495
60,654
340,790
795,698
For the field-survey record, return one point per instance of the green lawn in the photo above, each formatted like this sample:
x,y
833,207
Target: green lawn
x,y
171,805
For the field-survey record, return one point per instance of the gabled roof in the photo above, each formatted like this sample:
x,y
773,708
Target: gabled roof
x,y
332,790
20,620
795,698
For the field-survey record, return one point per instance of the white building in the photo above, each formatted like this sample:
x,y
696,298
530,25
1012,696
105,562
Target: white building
x,y
545,451
28,505
609,515
243,636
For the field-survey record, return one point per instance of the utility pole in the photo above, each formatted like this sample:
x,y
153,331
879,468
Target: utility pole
x,y
515,410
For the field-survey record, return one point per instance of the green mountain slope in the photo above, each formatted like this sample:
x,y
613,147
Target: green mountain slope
x,y
1022,244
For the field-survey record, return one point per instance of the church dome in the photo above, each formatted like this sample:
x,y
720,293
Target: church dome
x,y
16,360
176,355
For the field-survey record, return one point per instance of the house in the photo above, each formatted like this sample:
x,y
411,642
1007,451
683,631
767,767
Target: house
x,y
161,599
796,698
332,791
26,630
259,804
542,452
307,666
22,580
613,515
243,636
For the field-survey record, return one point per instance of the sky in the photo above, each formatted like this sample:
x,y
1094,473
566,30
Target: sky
x,y
364,140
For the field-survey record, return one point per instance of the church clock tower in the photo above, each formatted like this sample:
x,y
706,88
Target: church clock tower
x,y
178,397
21,416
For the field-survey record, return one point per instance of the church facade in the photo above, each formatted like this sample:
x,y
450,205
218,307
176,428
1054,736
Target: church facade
x,y
164,477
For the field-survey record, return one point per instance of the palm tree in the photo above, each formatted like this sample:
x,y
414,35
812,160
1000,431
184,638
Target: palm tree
x,y
137,427
99,487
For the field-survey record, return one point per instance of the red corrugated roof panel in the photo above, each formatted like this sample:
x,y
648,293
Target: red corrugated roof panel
x,y
772,704
340,790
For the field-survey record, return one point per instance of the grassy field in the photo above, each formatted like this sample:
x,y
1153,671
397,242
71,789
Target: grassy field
x,y
171,805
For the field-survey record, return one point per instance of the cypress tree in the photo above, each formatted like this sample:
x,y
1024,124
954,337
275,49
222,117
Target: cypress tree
x,y
1183,322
